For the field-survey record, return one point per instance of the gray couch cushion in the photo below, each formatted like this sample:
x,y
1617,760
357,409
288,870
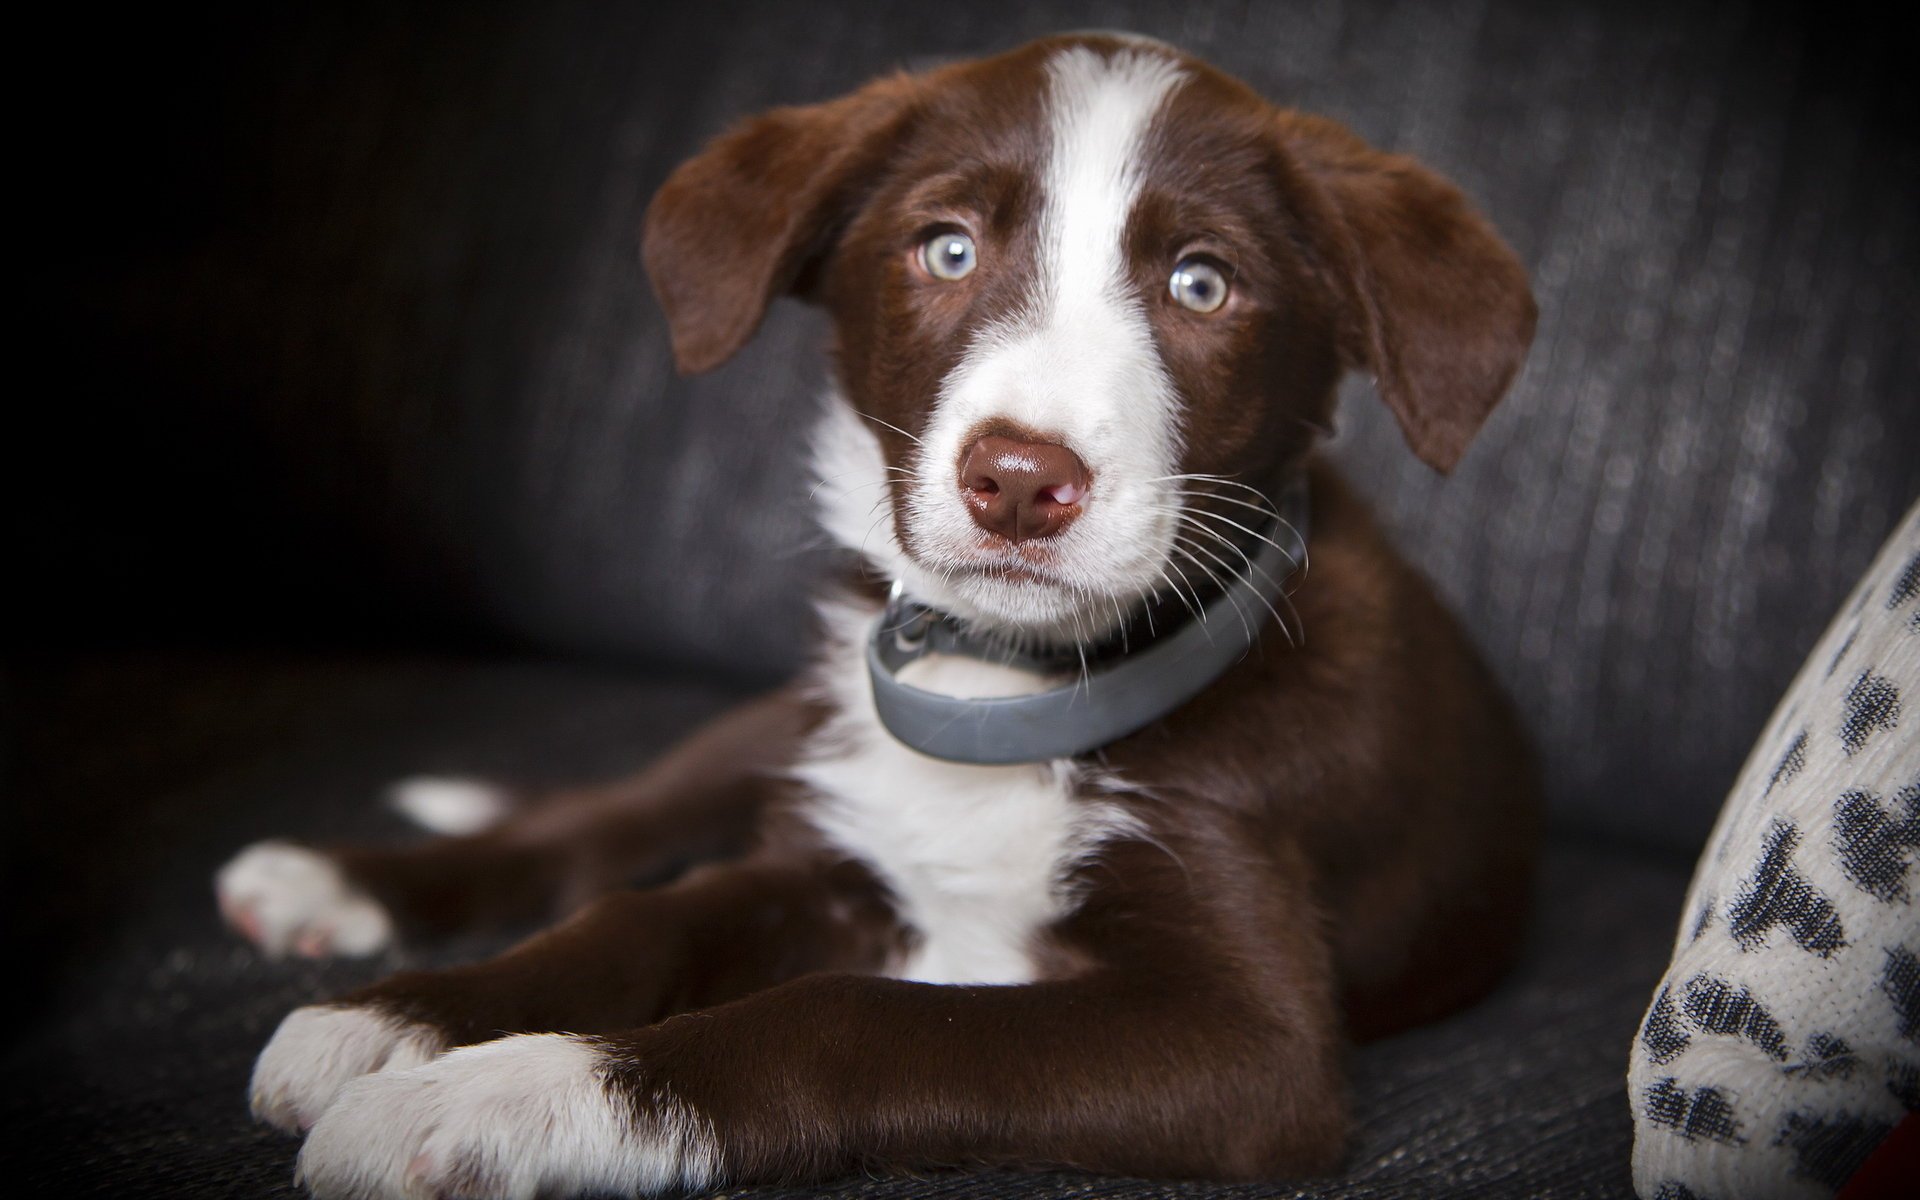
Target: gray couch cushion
x,y
140,776
373,354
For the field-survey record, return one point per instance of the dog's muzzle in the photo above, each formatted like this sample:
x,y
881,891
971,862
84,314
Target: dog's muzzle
x,y
1113,694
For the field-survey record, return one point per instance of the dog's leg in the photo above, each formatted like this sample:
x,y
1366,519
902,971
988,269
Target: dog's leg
x,y
543,859
1198,1039
625,960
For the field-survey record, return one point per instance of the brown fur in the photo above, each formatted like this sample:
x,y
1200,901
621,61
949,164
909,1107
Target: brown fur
x,y
1339,832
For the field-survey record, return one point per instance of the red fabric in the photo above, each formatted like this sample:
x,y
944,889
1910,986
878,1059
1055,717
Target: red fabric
x,y
1892,1171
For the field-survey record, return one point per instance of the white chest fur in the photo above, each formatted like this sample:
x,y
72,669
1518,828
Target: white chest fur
x,y
977,857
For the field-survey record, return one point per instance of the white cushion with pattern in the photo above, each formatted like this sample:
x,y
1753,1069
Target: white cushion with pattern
x,y
1784,1042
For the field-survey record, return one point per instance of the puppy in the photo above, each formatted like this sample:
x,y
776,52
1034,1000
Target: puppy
x,y
1102,821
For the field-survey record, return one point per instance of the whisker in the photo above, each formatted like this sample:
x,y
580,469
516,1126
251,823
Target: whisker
x,y
1279,585
1264,509
1305,557
890,425
1252,567
860,487
1178,548
869,533
815,491
1220,480
1298,622
1182,572
1080,648
1176,591
1261,537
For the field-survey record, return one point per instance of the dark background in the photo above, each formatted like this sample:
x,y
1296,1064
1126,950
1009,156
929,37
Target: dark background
x,y
344,441
350,346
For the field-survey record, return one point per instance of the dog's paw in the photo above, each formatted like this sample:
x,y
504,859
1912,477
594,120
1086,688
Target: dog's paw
x,y
454,807
283,897
320,1049
525,1116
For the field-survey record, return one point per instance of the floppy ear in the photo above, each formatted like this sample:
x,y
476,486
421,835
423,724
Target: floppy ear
x,y
739,224
1440,311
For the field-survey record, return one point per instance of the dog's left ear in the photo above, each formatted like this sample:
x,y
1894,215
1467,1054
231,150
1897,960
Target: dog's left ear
x,y
741,222
1438,306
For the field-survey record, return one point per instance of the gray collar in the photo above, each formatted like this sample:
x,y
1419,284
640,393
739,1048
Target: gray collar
x,y
1113,694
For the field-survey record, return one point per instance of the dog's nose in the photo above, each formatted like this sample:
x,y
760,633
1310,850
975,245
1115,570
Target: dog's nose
x,y
1020,489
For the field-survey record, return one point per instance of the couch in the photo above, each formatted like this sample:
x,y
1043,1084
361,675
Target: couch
x,y
363,456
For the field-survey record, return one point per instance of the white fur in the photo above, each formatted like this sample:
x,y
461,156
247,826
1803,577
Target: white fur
x,y
853,500
978,858
455,807
284,897
1080,365
320,1049
517,1118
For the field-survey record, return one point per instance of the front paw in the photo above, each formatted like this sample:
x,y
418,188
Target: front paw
x,y
320,1049
284,897
525,1116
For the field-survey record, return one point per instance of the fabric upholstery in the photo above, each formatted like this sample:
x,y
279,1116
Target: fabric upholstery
x,y
127,1077
1784,1042
353,331
360,409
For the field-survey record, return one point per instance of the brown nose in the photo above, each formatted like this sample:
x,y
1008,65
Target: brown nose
x,y
1020,489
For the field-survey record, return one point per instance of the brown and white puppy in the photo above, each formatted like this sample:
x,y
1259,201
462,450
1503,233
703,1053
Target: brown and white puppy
x,y
1091,299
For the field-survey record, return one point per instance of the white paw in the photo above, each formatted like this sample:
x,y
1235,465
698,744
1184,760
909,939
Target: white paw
x,y
456,807
283,897
521,1117
320,1049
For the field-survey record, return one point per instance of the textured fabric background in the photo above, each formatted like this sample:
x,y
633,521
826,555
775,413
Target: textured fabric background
x,y
354,344
126,1076
345,348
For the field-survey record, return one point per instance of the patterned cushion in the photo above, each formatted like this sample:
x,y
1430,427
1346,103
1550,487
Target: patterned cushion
x,y
1784,1041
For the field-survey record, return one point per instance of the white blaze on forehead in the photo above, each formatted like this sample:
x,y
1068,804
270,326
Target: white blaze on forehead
x,y
1075,363
1100,109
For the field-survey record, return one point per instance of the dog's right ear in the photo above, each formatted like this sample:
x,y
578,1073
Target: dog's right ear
x,y
1438,306
741,222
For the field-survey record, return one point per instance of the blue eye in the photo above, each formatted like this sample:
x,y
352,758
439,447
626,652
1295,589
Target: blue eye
x,y
1198,285
948,256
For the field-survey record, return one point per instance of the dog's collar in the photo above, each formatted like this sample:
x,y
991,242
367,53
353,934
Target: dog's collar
x,y
1114,693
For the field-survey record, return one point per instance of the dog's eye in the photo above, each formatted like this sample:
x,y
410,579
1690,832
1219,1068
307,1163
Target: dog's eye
x,y
948,255
1198,285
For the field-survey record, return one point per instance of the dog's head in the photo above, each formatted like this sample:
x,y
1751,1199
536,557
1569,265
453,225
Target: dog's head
x,y
1085,293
